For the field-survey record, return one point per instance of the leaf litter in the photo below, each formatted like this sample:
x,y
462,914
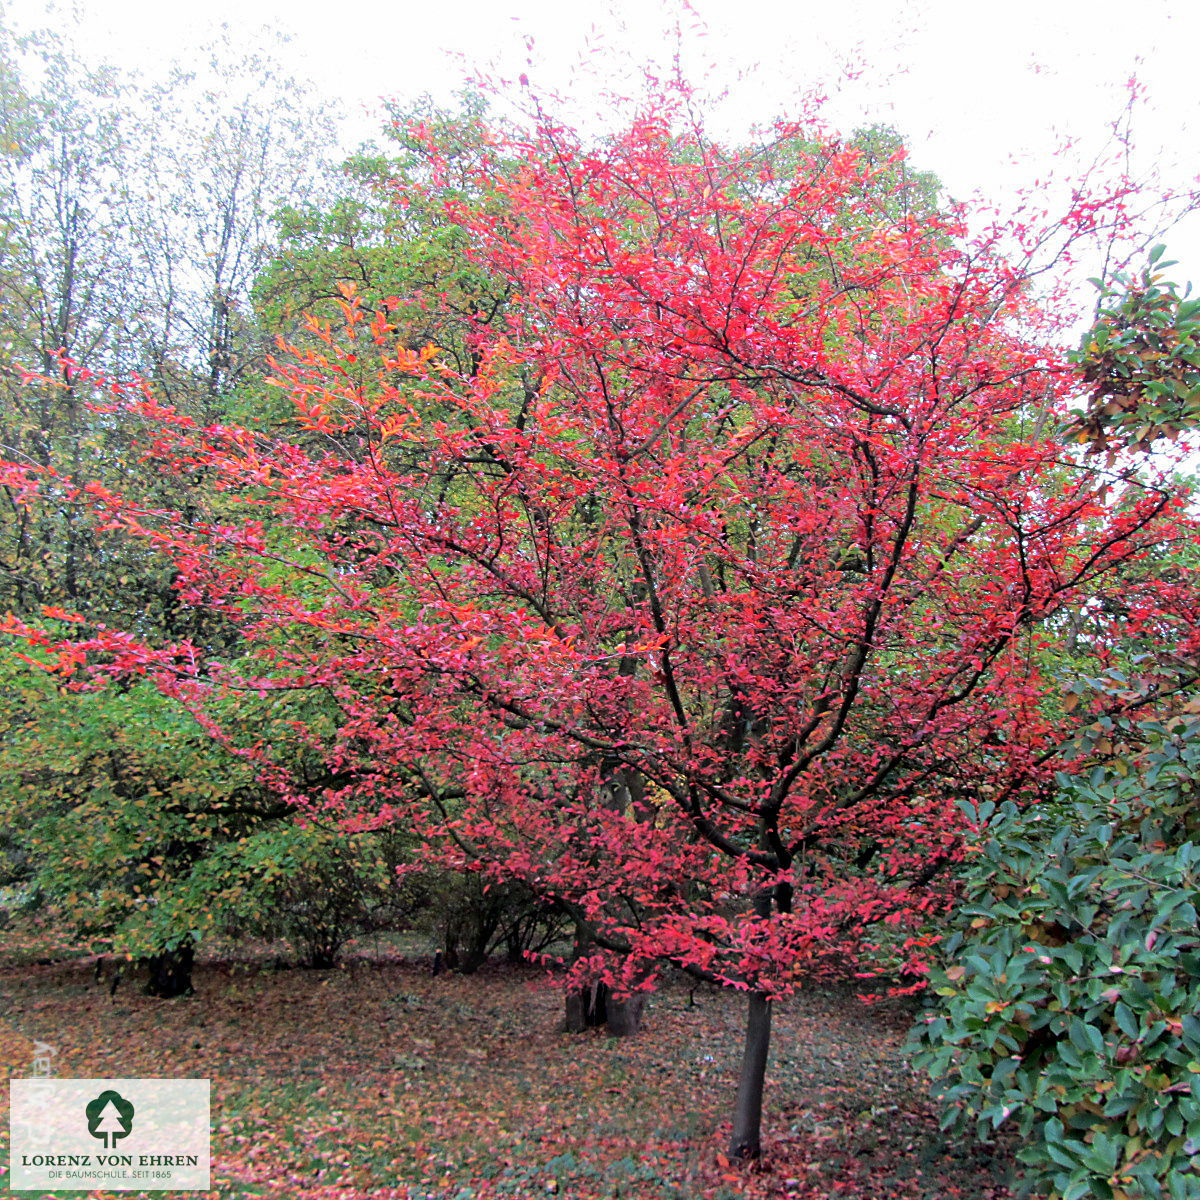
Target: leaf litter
x,y
382,1080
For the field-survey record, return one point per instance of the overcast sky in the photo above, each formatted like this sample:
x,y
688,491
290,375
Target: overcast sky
x,y
984,92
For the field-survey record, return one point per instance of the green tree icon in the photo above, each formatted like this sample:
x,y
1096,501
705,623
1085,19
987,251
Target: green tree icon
x,y
109,1117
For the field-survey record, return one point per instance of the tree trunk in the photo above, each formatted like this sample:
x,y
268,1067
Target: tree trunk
x,y
625,1016
321,957
479,940
450,950
171,973
514,944
592,1004
472,959
747,1115
587,1007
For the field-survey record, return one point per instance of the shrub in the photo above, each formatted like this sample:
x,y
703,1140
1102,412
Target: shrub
x,y
1070,996
472,918
314,887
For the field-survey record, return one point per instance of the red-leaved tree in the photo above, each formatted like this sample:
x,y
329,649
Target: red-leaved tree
x,y
701,600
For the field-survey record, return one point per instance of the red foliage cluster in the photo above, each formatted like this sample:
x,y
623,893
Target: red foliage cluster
x,y
700,600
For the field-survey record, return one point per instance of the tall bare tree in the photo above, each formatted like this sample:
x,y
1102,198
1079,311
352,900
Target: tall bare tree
x,y
224,148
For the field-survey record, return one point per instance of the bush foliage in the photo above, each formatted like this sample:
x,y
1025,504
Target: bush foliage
x,y
1072,987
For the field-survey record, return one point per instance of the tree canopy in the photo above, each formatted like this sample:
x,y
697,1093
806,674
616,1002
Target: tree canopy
x,y
700,588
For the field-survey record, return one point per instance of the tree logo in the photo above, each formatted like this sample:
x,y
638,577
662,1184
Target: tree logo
x,y
109,1117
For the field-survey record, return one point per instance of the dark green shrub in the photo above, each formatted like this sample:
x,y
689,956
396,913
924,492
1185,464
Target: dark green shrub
x,y
1070,1000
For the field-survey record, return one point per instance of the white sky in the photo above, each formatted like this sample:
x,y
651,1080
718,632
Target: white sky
x,y
983,91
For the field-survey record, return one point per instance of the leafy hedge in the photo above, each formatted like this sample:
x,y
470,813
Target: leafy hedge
x,y
1072,1005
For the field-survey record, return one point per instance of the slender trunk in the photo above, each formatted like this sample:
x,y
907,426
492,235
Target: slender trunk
x,y
747,1115
449,952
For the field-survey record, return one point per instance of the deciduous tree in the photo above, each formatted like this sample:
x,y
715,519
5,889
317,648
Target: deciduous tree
x,y
700,598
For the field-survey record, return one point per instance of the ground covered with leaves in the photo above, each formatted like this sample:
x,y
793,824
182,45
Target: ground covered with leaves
x,y
382,1080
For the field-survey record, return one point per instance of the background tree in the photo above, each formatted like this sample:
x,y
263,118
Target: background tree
x,y
135,220
222,150
64,290
148,838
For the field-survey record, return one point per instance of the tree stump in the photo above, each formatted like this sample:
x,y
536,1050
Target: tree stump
x,y
594,1005
587,1007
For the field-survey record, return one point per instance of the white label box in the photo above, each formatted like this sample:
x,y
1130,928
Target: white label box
x,y
112,1135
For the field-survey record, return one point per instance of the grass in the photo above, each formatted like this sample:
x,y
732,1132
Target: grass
x,y
382,1080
